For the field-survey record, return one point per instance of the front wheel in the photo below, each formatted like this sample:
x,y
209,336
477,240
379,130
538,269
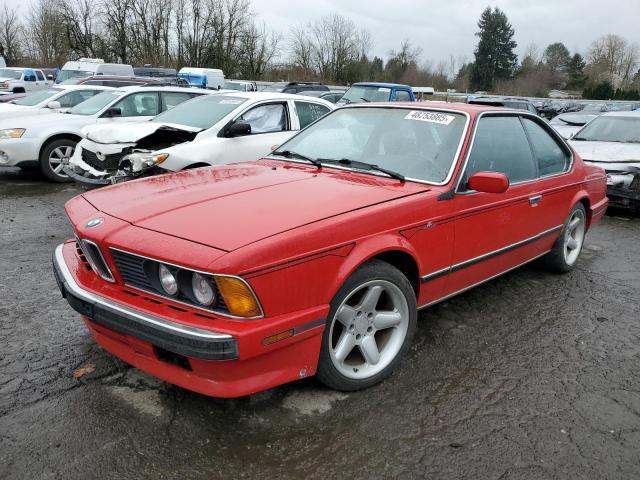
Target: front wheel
x,y
370,326
54,157
565,252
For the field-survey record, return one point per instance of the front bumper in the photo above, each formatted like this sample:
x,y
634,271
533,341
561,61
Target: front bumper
x,y
174,337
18,151
231,361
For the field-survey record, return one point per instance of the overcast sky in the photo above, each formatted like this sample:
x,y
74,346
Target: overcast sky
x,y
443,27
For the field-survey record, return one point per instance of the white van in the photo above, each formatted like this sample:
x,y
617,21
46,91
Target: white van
x,y
87,67
212,78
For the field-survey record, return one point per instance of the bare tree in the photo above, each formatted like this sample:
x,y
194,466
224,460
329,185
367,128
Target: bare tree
x,y
117,14
46,43
258,48
10,34
81,21
612,58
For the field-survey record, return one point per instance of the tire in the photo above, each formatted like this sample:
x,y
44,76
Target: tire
x,y
352,328
565,252
56,150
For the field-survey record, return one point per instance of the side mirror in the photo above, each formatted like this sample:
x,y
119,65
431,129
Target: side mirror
x,y
489,182
113,112
53,105
50,77
238,129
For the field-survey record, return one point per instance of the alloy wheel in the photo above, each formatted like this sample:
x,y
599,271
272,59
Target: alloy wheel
x,y
58,158
574,237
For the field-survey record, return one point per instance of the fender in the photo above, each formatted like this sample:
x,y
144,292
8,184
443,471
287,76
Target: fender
x,y
367,249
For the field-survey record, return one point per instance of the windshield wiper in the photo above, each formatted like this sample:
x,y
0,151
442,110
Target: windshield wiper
x,y
579,139
363,166
362,98
297,156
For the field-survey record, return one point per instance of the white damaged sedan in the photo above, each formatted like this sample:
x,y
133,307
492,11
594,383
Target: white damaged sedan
x,y
210,130
612,141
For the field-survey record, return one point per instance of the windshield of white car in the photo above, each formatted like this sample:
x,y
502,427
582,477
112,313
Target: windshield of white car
x,y
418,144
362,93
10,74
67,74
275,87
593,107
95,104
37,97
201,112
620,107
234,86
611,129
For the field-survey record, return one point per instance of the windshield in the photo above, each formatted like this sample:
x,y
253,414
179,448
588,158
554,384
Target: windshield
x,y
611,129
67,74
202,112
593,107
361,93
95,104
419,144
37,97
11,74
619,107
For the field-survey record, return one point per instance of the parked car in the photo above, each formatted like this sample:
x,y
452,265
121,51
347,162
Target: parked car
x,y
377,92
296,87
212,78
506,102
212,130
51,73
115,81
10,97
568,124
315,260
241,85
332,96
550,109
20,80
155,72
89,67
48,141
612,141
50,100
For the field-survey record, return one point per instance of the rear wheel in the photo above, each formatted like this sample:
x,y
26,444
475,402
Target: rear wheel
x,y
370,326
565,252
54,157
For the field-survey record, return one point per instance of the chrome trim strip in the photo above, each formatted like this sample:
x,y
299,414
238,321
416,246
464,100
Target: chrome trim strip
x,y
227,315
134,315
488,255
446,297
91,260
454,161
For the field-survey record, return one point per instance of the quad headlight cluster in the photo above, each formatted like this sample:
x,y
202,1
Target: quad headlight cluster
x,y
213,292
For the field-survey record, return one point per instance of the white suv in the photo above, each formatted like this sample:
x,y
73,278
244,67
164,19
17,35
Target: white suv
x,y
20,80
213,130
47,141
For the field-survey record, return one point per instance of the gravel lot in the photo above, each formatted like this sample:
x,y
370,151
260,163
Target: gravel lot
x,y
531,376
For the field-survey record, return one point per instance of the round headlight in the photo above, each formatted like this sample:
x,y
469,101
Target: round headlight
x,y
167,280
202,289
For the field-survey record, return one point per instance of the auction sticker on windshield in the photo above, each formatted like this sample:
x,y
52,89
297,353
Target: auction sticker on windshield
x,y
433,117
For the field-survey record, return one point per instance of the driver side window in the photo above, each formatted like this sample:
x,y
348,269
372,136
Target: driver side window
x,y
501,145
143,104
266,118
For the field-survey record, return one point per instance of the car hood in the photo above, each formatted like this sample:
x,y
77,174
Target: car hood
x,y
130,132
613,152
574,119
10,107
232,206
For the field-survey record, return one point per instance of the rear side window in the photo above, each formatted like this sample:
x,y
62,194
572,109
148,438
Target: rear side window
x,y
402,96
73,98
500,145
171,99
309,112
550,156
39,75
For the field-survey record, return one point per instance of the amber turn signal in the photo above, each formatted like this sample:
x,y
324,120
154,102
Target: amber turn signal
x,y
239,298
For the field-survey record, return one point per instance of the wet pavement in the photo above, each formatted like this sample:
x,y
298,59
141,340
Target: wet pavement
x,y
531,376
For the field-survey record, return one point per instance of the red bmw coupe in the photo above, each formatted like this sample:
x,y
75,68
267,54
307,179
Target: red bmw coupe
x,y
316,259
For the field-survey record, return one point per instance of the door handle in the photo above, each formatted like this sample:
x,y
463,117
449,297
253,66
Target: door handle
x,y
535,200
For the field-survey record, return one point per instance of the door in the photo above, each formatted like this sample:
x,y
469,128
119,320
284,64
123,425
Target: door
x,y
137,107
41,81
496,232
270,125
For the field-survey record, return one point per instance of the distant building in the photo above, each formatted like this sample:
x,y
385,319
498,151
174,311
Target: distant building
x,y
564,95
421,92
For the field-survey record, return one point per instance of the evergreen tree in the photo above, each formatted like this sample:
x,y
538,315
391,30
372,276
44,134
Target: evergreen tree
x,y
494,56
575,71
